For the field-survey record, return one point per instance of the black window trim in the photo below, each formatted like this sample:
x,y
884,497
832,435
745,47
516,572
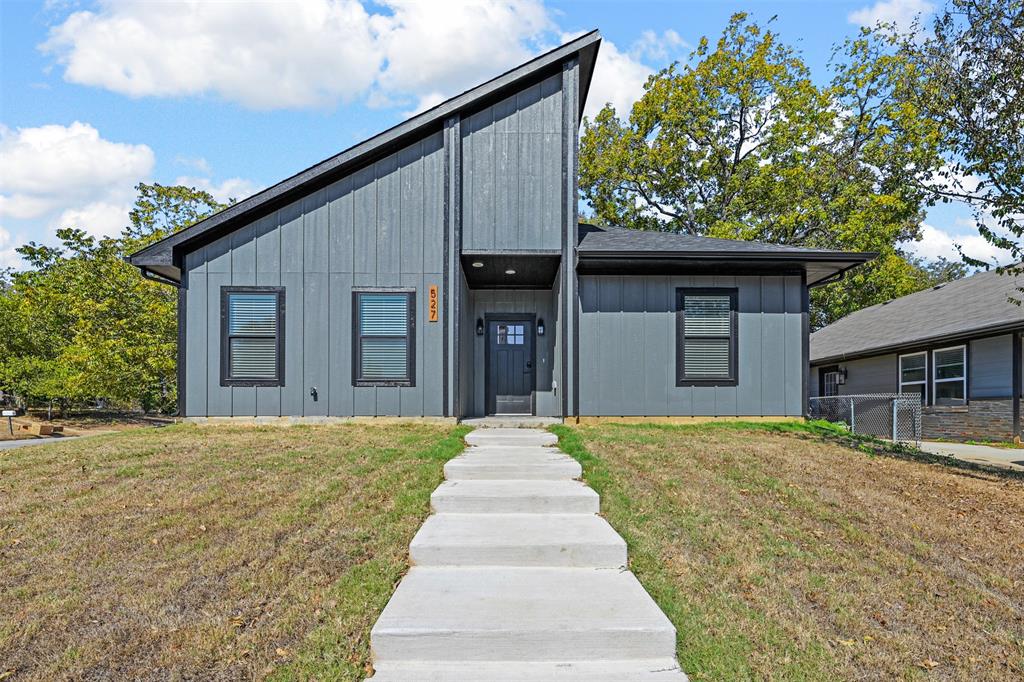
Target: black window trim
x,y
733,378
225,337
357,346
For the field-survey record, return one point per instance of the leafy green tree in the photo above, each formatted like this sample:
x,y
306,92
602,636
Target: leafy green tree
x,y
740,143
83,324
972,61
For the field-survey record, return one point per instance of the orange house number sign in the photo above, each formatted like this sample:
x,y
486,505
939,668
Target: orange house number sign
x,y
433,304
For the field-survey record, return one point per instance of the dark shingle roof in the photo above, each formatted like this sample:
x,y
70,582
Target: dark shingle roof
x,y
603,244
594,239
975,304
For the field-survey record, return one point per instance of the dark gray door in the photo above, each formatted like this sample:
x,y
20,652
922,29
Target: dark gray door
x,y
510,372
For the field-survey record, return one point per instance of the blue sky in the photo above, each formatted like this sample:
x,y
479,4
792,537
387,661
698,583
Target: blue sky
x,y
234,96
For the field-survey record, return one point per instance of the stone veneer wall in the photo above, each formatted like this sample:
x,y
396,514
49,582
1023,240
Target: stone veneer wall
x,y
979,420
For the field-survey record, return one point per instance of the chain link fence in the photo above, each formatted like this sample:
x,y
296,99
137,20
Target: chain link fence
x,y
896,416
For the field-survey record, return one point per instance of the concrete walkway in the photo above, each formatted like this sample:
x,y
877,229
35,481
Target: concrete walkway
x,y
1007,458
516,577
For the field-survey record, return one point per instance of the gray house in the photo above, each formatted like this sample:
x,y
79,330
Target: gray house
x,y
958,345
440,269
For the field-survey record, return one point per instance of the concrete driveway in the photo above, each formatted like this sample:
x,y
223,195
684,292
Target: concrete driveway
x,y
1010,458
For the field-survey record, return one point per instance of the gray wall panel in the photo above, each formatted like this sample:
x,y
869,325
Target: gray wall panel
x,y
511,171
627,348
871,375
381,226
990,373
195,342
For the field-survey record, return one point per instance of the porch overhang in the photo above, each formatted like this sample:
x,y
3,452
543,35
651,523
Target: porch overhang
x,y
511,270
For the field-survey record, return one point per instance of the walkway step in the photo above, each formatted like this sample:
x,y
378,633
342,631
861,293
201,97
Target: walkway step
x,y
518,540
520,614
646,670
500,497
535,466
511,437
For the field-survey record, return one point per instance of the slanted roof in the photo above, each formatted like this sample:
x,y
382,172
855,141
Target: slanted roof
x,y
608,247
162,257
967,307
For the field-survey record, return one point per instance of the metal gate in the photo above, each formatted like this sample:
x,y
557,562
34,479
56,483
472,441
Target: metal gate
x,y
896,416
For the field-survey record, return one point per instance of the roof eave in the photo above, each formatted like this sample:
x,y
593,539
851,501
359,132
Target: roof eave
x,y
281,192
988,330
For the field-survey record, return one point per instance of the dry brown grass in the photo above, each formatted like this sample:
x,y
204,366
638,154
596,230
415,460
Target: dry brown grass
x,y
780,553
208,553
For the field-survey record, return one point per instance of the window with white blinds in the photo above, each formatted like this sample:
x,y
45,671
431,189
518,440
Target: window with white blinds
x,y
706,337
252,325
383,338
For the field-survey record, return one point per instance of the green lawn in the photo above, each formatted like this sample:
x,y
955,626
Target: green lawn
x,y
788,552
209,552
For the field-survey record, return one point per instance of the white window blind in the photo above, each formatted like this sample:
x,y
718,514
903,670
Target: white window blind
x,y
707,336
383,329
252,330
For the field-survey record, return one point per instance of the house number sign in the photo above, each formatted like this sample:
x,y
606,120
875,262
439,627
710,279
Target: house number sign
x,y
433,304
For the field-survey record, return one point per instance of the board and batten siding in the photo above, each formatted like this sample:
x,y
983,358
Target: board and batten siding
x,y
512,170
381,226
627,348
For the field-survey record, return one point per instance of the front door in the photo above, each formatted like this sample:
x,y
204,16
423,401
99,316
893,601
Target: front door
x,y
510,371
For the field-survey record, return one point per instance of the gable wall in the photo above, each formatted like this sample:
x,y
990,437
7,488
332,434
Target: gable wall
x,y
512,170
382,226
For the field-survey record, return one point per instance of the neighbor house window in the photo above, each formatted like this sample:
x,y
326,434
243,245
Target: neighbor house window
x,y
914,375
383,338
950,368
706,337
830,383
252,336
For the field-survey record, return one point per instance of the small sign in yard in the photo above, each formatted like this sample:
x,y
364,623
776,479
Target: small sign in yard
x,y
10,423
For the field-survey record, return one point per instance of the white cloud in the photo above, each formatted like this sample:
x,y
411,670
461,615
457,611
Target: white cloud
x,y
899,12
264,55
309,53
9,258
659,48
618,80
316,53
433,47
54,166
57,176
232,188
70,176
936,242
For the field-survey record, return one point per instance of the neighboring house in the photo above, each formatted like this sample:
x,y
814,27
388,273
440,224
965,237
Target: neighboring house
x,y
440,269
958,345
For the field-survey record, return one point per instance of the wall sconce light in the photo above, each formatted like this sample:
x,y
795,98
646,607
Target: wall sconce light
x,y
540,327
479,326
842,376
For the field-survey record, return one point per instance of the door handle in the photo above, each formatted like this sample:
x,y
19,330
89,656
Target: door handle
x,y
529,367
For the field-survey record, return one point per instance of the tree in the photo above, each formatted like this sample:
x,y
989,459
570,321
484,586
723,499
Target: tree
x,y
742,144
973,87
83,324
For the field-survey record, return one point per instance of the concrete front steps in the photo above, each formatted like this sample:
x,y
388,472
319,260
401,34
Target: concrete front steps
x,y
562,540
515,577
650,670
514,497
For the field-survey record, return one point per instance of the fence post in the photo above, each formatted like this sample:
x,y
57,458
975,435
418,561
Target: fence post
x,y
853,420
895,419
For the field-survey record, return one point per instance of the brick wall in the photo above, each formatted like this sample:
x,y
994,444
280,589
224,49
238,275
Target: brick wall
x,y
980,420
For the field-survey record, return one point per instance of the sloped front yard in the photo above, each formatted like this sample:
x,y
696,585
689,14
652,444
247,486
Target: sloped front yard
x,y
201,553
783,553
